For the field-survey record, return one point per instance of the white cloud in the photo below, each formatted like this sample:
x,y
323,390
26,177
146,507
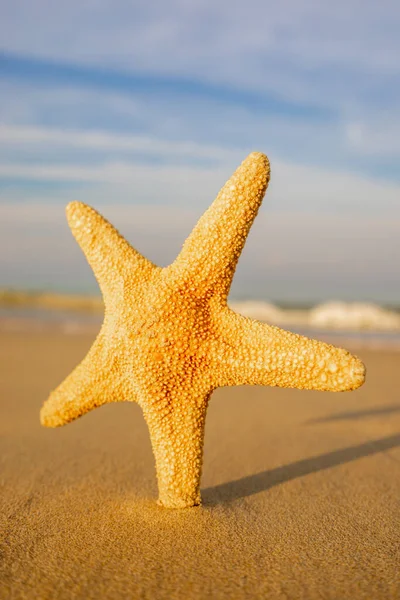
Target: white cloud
x,y
101,140
23,102
355,31
376,136
117,124
300,50
293,187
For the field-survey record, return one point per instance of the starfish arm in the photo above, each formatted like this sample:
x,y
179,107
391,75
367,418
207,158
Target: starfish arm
x,y
254,353
211,252
94,382
107,252
177,424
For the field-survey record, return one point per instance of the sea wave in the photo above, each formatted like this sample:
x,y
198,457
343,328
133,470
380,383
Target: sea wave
x,y
349,316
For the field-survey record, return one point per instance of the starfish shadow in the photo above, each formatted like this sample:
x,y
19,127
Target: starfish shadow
x,y
260,482
355,415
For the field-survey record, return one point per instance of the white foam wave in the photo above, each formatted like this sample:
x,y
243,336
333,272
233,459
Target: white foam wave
x,y
353,316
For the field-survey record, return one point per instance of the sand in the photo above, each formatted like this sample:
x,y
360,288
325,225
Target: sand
x,y
301,491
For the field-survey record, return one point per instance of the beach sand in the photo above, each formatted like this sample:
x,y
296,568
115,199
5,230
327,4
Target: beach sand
x,y
301,491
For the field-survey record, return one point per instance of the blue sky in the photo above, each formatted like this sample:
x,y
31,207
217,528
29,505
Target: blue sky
x,y
143,111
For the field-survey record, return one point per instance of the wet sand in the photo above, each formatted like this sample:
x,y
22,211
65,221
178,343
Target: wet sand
x,y
301,491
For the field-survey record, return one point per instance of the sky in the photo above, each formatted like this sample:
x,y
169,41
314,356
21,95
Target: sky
x,y
143,110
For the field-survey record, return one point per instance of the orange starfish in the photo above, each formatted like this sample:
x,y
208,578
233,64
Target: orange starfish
x,y
169,339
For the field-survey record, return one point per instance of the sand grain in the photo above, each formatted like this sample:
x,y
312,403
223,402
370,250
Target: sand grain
x,y
301,492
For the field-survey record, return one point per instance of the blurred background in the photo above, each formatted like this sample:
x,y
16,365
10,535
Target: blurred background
x,y
143,110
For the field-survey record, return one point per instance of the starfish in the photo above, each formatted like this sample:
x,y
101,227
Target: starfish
x,y
169,339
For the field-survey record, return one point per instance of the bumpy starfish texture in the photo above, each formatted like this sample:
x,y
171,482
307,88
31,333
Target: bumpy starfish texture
x,y
169,339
